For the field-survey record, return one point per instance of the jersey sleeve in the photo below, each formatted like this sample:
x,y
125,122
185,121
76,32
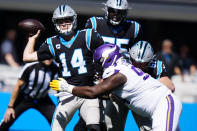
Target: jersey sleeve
x,y
93,39
137,29
164,71
109,72
137,33
160,69
25,72
44,52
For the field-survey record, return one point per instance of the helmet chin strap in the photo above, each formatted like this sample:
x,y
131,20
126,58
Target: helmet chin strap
x,y
65,32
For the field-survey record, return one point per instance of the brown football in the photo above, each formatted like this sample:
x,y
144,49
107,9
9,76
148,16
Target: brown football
x,y
31,26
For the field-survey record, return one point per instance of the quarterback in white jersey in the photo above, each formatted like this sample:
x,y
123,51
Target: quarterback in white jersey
x,y
138,90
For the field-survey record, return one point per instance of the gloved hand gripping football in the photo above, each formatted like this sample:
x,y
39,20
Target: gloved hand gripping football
x,y
61,85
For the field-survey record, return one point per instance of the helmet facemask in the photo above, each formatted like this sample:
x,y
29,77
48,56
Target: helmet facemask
x,y
116,16
141,65
65,26
141,54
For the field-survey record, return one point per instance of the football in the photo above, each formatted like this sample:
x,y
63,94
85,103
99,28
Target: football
x,y
31,26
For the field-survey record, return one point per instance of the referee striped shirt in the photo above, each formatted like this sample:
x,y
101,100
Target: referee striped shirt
x,y
37,76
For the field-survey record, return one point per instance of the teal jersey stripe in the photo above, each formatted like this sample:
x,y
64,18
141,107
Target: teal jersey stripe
x,y
159,69
49,41
93,20
136,29
88,37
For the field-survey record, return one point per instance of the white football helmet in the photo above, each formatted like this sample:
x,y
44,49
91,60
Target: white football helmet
x,y
64,12
116,11
141,52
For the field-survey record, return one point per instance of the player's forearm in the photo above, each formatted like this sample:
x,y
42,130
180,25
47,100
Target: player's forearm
x,y
85,92
29,54
105,86
14,95
166,81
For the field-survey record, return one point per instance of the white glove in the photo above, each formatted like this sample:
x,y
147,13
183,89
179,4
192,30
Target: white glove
x,y
61,85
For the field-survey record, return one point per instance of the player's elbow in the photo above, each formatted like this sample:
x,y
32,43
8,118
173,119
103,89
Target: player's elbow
x,y
29,57
92,95
172,87
26,59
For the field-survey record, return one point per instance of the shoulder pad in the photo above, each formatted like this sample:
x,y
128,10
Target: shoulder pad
x,y
52,37
94,22
99,18
25,67
88,37
83,30
130,21
109,72
159,68
137,28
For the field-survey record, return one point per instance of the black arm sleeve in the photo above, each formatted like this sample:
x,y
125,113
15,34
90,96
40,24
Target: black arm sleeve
x,y
96,40
44,52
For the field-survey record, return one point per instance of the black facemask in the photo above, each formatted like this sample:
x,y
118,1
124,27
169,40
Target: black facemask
x,y
116,15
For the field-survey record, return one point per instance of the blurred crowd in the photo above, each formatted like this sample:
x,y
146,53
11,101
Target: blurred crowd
x,y
180,65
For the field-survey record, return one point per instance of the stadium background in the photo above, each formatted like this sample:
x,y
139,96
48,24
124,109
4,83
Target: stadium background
x,y
160,19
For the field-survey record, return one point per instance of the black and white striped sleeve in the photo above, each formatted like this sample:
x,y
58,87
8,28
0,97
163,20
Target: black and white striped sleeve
x,y
26,70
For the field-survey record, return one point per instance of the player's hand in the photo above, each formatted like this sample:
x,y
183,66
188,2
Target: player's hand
x,y
61,85
9,113
32,36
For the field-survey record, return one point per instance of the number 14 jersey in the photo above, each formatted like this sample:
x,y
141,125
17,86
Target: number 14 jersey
x,y
75,57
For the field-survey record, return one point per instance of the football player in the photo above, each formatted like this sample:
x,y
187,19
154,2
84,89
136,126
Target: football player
x,y
115,28
141,93
142,56
73,50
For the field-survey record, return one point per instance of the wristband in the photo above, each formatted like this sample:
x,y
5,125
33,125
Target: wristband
x,y
10,106
70,88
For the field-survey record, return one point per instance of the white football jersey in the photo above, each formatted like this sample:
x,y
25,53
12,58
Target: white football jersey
x,y
141,92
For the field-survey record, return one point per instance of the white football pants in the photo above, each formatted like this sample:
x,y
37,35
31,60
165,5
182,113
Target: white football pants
x,y
167,113
88,108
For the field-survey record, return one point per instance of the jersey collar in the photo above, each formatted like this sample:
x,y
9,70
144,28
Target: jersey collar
x,y
68,44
